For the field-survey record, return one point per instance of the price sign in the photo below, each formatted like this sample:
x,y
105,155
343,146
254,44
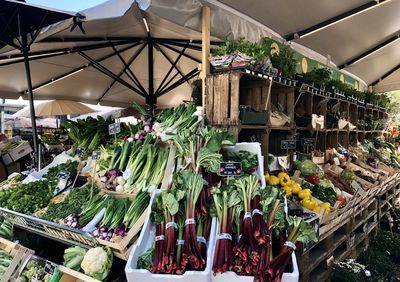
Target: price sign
x,y
304,87
80,151
253,138
230,169
273,72
114,128
49,267
63,178
288,144
63,175
308,142
96,155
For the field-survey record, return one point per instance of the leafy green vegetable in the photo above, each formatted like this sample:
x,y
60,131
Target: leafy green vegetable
x,y
72,204
28,198
249,160
145,260
69,166
325,192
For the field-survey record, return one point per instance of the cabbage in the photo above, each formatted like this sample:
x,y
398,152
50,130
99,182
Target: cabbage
x,y
308,168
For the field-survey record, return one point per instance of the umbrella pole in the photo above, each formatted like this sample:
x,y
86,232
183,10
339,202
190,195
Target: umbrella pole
x,y
25,50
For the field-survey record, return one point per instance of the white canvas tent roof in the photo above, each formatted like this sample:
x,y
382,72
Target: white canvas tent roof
x,y
71,75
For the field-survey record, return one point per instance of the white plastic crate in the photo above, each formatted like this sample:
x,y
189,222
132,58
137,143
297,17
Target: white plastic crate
x,y
232,276
145,241
254,148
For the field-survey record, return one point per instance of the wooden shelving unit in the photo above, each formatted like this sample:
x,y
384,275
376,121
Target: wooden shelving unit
x,y
226,91
349,235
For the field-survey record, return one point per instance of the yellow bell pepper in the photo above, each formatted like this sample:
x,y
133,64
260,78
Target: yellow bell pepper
x,y
288,192
273,180
325,205
284,179
305,193
316,209
296,189
308,203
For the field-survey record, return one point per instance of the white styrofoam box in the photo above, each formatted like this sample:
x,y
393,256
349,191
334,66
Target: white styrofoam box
x,y
232,276
254,148
59,159
145,241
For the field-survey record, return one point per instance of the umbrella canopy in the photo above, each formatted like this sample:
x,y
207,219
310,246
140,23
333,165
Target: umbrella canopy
x,y
21,25
56,108
116,62
23,122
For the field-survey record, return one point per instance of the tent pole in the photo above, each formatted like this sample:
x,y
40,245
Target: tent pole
x,y
151,99
25,50
205,52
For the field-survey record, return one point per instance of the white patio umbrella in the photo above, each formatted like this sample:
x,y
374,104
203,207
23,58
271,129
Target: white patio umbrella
x,y
56,108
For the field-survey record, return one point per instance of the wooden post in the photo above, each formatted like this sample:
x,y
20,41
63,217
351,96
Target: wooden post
x,y
205,52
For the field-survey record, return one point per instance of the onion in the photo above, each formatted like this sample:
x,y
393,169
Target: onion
x,y
103,179
127,187
147,128
137,136
96,233
120,180
119,189
104,235
74,224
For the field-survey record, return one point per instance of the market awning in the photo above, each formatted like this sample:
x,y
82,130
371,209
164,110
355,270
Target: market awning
x,y
109,63
359,37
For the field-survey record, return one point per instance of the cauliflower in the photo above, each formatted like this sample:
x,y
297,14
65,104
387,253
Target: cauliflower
x,y
97,262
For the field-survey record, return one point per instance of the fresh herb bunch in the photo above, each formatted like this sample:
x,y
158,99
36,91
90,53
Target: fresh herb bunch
x,y
72,204
318,76
69,166
324,192
28,198
285,62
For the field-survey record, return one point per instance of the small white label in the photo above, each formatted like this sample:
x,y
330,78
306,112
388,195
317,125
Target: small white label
x,y
160,238
224,236
201,239
336,161
189,221
290,245
171,224
247,215
180,242
283,162
126,174
257,211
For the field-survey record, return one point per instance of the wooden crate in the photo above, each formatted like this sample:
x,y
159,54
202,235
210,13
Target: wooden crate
x,y
222,98
122,246
19,254
282,99
70,275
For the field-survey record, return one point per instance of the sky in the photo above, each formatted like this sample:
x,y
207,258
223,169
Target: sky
x,y
68,5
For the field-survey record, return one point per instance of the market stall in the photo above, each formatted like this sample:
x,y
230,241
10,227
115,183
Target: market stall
x,y
282,172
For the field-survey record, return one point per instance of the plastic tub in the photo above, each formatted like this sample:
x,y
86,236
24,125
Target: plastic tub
x,y
145,241
254,148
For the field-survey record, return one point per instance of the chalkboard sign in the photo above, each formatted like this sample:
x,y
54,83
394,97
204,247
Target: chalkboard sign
x,y
308,142
96,155
80,151
230,169
49,267
114,128
288,144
